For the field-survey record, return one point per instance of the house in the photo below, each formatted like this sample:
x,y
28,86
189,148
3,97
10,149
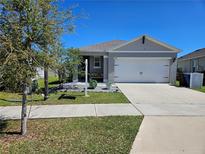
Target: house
x,y
40,72
192,62
142,59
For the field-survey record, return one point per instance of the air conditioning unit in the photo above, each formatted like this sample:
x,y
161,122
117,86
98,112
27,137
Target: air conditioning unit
x,y
196,80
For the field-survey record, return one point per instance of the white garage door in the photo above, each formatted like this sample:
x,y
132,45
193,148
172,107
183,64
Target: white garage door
x,y
141,70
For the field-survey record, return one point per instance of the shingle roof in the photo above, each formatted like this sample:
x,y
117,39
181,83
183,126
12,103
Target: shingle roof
x,y
196,54
104,46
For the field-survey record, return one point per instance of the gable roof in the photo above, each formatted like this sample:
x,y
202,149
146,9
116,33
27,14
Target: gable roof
x,y
101,47
195,54
169,47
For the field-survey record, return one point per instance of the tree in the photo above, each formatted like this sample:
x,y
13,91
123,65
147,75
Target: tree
x,y
61,58
17,56
28,32
55,22
72,61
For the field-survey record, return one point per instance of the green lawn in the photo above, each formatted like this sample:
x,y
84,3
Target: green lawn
x,y
177,84
7,99
51,80
202,89
72,135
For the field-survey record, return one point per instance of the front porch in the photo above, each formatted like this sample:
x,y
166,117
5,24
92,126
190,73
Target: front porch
x,y
97,68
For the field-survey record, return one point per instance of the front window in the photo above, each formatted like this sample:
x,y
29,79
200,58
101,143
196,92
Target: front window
x,y
97,62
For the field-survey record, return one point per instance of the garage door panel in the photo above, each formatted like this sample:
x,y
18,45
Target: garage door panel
x,y
141,70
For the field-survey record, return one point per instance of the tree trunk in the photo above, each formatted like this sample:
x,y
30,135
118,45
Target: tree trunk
x,y
60,76
46,83
24,112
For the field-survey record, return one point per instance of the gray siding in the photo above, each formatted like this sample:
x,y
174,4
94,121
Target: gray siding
x,y
186,65
139,46
201,63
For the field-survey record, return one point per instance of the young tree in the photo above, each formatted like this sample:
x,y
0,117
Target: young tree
x,y
72,61
28,28
55,22
17,55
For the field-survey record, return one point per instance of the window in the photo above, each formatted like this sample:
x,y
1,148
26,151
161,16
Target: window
x,y
97,62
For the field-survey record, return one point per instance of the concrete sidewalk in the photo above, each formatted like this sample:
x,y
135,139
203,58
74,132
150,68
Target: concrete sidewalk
x,y
78,110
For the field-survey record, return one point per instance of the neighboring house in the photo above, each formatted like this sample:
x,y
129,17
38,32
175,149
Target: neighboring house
x,y
40,72
143,59
192,62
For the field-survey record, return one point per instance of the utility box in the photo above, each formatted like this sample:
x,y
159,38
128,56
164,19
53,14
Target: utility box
x,y
196,80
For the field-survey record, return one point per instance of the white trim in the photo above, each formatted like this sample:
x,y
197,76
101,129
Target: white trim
x,y
97,67
190,58
142,51
163,44
149,38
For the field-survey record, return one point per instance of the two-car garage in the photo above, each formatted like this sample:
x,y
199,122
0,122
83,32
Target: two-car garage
x,y
129,69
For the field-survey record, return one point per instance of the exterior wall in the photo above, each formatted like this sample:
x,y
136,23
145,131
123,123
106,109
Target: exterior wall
x,y
113,55
139,46
201,63
173,72
186,65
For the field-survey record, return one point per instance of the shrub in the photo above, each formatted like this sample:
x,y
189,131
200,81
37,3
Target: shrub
x,y
93,84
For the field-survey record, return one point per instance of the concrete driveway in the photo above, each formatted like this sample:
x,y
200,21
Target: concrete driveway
x,y
178,122
170,135
163,99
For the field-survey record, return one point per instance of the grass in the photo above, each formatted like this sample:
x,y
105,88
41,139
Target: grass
x,y
7,99
202,89
72,135
51,79
12,99
177,83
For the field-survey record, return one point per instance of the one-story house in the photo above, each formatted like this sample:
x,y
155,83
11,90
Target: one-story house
x,y
192,62
143,59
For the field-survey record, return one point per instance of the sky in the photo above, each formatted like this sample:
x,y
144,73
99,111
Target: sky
x,y
180,23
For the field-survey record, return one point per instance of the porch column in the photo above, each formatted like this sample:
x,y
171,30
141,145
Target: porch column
x,y
105,68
